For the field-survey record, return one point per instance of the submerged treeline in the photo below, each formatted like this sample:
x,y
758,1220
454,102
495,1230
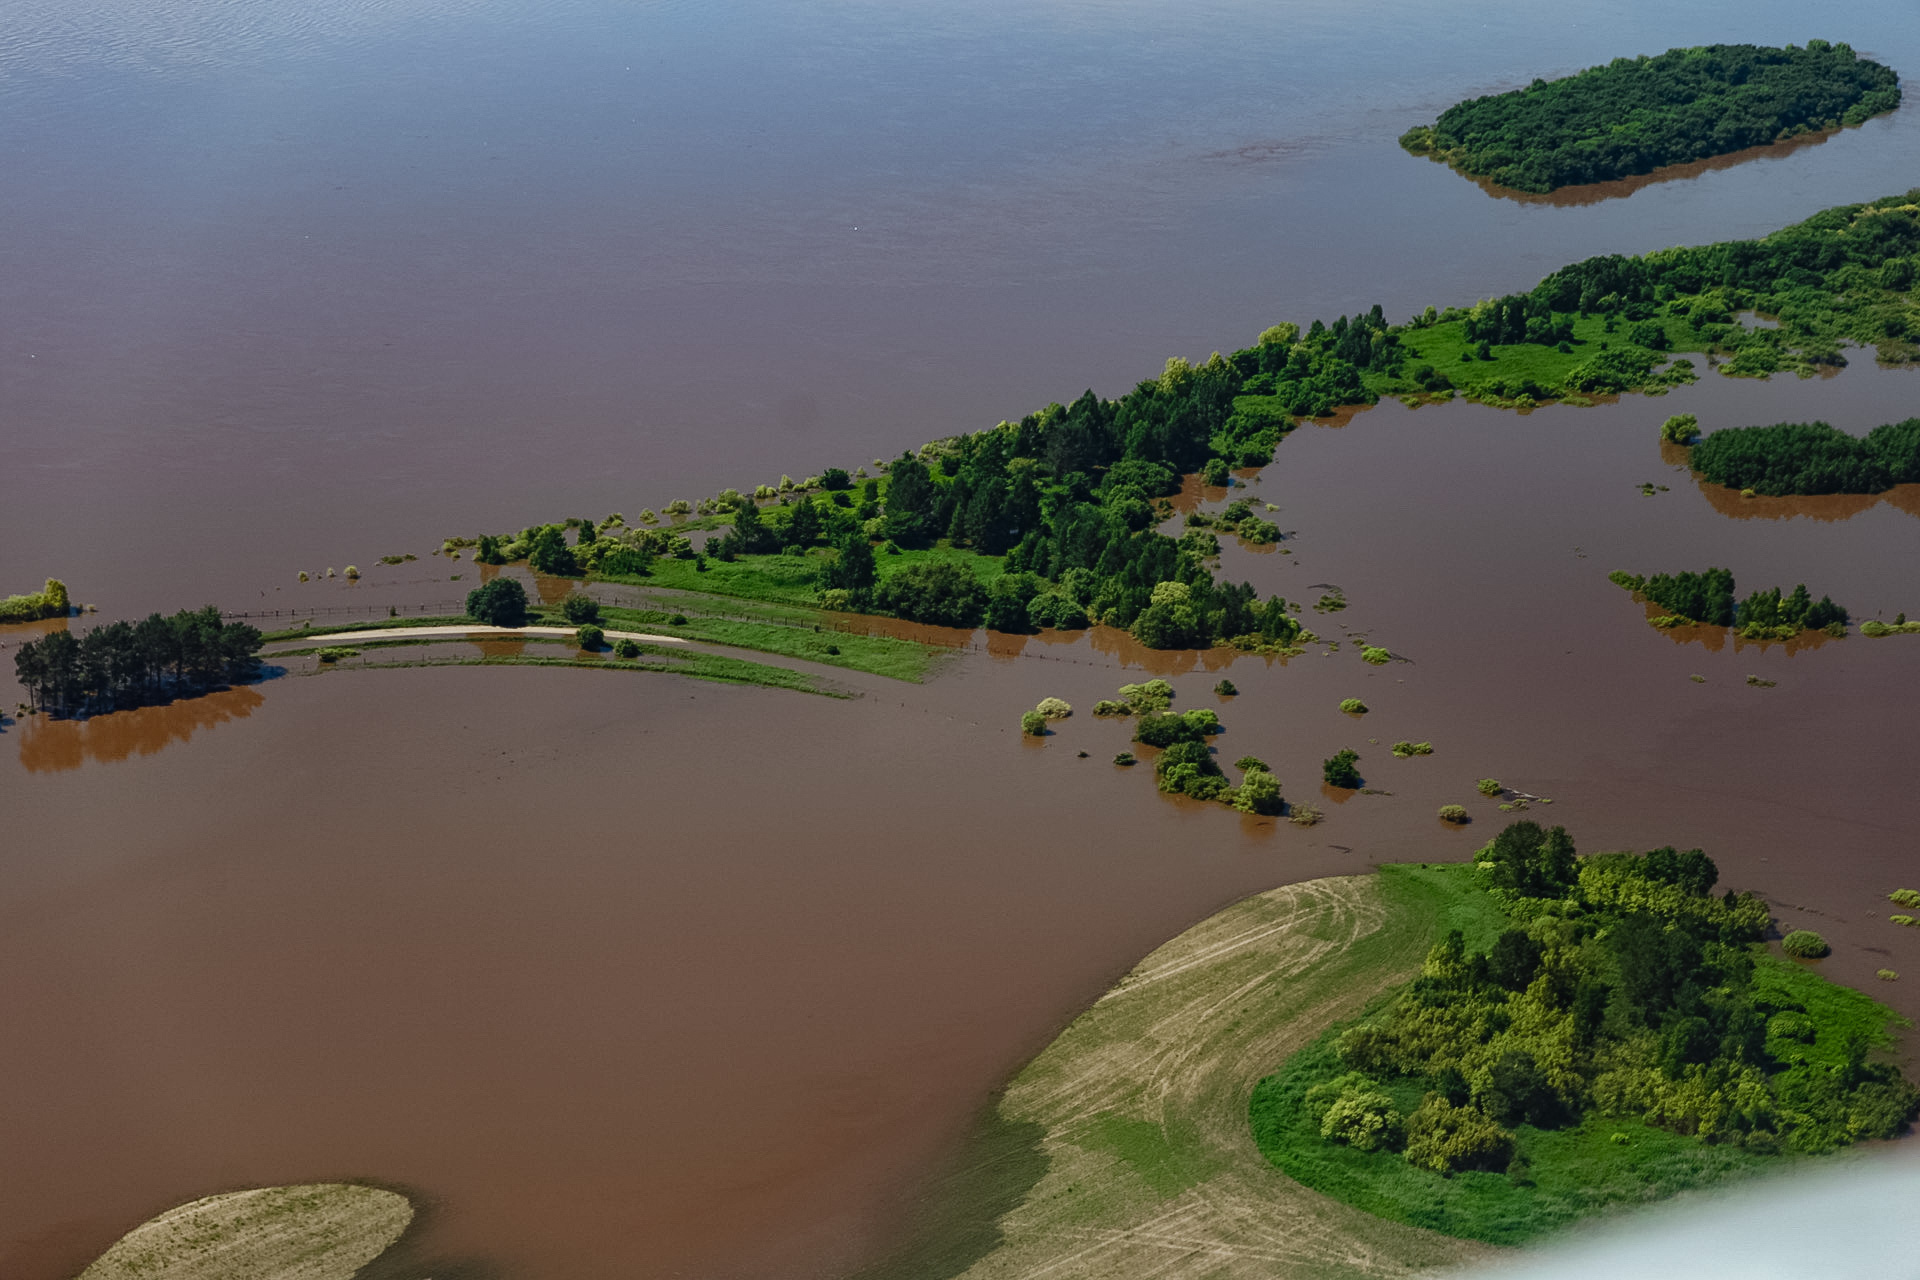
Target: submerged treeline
x,y
1810,458
1708,598
1054,520
130,664
50,601
1620,991
1634,115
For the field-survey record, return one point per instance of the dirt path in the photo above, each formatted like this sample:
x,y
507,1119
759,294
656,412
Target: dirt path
x,y
1152,1173
484,632
322,1231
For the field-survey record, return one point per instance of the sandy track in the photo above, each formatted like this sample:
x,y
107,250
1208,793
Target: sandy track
x,y
322,1231
1152,1170
483,632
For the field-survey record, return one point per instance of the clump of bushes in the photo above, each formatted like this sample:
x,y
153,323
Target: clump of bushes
x,y
1111,707
333,654
1054,708
1376,655
1681,428
51,601
1805,944
1406,749
1489,787
1905,897
1165,728
1033,724
1226,689
500,603
626,649
1188,768
1353,706
591,638
578,608
1124,758
1338,769
353,573
1258,793
1454,813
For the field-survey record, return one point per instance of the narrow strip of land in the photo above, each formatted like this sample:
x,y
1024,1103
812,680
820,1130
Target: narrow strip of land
x,y
477,630
325,1231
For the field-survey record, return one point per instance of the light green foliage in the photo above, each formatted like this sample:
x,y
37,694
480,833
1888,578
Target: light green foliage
x,y
1258,792
1681,428
1905,920
1376,655
1247,763
1188,768
50,601
1150,695
1110,707
1406,749
1453,813
1353,706
1886,975
1875,628
1054,708
1804,944
1033,724
1488,786
1905,897
1360,1116
1444,1138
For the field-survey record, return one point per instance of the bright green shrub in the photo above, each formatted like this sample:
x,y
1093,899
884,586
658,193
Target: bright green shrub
x,y
1488,786
1406,749
1353,706
1365,1120
1447,1139
1150,695
1905,897
1804,944
1033,724
1376,655
1453,813
1248,764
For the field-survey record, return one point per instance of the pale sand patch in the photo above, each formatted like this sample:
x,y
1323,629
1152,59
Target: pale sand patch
x,y
317,1231
1152,1171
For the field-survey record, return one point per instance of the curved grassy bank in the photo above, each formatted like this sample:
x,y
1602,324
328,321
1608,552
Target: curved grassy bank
x,y
1124,1148
320,1231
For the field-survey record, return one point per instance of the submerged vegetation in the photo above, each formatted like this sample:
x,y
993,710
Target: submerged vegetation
x,y
49,602
1626,1033
131,664
1708,598
1810,458
1633,115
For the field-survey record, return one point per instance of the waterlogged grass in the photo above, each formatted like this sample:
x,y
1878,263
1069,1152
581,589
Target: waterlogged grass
x,y
1838,1012
1442,345
876,655
697,666
1568,1174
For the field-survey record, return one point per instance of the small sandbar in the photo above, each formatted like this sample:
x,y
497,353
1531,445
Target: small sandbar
x,y
314,1231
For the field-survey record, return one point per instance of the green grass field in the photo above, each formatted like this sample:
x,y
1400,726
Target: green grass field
x,y
1443,345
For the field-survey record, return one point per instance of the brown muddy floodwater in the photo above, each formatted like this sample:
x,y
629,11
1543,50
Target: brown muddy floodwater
x,y
626,976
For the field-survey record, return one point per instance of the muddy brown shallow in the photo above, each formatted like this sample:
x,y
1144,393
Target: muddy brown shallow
x,y
640,978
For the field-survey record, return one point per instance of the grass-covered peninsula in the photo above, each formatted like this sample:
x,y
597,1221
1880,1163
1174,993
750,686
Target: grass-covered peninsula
x,y
1708,599
1625,1035
1634,115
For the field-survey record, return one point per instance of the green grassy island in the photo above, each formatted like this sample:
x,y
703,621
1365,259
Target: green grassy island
x,y
1810,458
1634,115
1708,599
1619,1033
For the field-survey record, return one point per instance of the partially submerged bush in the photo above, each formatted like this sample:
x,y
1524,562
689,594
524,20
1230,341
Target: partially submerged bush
x,y
1376,655
591,638
1338,769
1125,757
1905,897
1489,787
1405,749
1353,706
1453,813
1033,724
1259,792
1109,707
1054,708
1681,428
1246,763
1804,944
1303,815
1150,695
1225,689
626,649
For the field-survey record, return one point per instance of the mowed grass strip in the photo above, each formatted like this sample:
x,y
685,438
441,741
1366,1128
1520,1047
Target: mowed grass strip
x,y
1141,1160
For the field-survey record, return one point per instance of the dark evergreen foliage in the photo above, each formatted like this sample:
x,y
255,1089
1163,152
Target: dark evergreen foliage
x,y
1810,457
1634,115
500,603
128,664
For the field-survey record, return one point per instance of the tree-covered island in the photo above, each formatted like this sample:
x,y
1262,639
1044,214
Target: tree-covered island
x,y
1708,599
1810,458
1616,1032
130,664
1635,115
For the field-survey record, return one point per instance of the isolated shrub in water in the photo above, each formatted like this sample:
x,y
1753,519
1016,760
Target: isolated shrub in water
x,y
1405,749
1353,706
1054,708
500,603
591,638
1905,897
1225,689
1033,724
1109,707
1303,815
578,608
1338,769
1376,655
1488,786
1454,813
1125,757
1804,944
1149,695
1681,428
1248,764
1259,792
